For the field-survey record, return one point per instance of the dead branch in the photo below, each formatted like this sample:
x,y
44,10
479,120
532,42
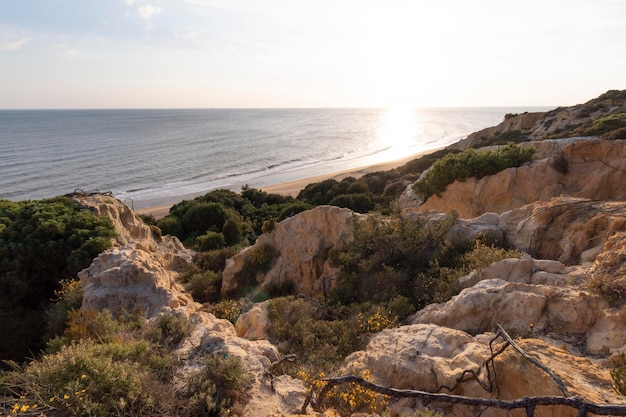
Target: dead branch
x,y
532,360
528,403
268,372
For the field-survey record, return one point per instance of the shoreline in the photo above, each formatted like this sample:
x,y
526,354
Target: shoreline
x,y
291,188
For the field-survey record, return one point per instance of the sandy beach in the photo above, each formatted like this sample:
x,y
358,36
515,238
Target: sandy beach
x,y
292,188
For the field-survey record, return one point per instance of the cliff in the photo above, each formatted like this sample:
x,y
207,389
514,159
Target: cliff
x,y
561,299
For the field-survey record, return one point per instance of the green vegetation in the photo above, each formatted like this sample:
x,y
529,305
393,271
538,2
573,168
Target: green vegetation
x,y
103,366
605,125
470,163
41,243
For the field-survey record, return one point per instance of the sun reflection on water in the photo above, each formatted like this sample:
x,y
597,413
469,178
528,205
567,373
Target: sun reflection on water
x,y
397,131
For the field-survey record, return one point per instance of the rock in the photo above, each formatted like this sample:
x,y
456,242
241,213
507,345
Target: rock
x,y
139,271
429,357
302,242
253,324
596,171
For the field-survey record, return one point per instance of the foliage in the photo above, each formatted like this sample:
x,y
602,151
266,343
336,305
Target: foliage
x,y
470,163
321,335
389,257
346,399
89,378
618,373
68,298
219,388
169,329
610,285
205,286
210,241
259,260
41,242
228,310
606,124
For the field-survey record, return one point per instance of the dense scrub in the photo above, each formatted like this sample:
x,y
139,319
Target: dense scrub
x,y
223,218
470,163
41,243
102,367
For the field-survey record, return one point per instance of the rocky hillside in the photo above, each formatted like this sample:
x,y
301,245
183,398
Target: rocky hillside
x,y
561,301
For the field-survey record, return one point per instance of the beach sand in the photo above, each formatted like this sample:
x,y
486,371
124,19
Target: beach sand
x,y
292,188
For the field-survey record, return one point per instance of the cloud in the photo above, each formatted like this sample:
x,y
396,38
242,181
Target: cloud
x,y
13,45
130,2
146,12
67,50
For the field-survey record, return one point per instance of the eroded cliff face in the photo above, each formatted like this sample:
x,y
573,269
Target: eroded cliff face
x,y
140,272
584,168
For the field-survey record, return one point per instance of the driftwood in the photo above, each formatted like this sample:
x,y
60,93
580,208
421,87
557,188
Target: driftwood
x,y
527,403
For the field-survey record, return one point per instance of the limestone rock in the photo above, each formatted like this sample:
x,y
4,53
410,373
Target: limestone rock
x,y
302,243
253,324
596,169
215,335
429,357
139,271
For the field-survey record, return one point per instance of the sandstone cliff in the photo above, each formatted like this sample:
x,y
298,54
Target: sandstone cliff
x,y
565,210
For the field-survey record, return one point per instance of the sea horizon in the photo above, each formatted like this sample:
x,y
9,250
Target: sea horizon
x,y
148,156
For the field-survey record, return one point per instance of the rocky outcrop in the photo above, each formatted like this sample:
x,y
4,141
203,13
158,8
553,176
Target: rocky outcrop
x,y
590,168
430,358
139,272
302,243
519,124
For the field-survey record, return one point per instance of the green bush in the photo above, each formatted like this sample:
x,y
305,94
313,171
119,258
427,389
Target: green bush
x,y
205,286
259,260
170,225
210,241
390,257
41,242
169,329
606,124
361,203
219,388
470,163
89,379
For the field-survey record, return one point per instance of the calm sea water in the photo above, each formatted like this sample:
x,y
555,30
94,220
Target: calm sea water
x,y
151,156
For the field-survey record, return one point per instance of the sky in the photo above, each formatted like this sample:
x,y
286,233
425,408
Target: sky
x,y
314,53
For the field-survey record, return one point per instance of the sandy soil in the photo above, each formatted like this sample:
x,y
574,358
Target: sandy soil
x,y
292,188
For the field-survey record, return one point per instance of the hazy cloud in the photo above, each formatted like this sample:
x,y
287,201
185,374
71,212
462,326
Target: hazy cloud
x,y
13,45
146,12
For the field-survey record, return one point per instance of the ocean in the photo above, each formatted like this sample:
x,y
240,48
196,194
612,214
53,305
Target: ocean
x,y
149,157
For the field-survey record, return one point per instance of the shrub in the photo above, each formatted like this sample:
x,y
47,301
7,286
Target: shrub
x,y
361,203
292,209
40,242
210,241
470,163
214,260
205,286
219,388
68,298
610,285
169,329
90,379
606,124
100,326
228,310
170,225
387,258
259,260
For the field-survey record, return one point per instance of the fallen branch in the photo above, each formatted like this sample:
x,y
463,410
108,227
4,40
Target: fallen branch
x,y
268,372
534,361
528,403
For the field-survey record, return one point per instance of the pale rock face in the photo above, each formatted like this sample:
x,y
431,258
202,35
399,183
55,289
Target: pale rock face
x,y
253,324
139,272
428,357
302,242
597,171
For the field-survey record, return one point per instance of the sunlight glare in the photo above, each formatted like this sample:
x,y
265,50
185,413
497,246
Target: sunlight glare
x,y
397,131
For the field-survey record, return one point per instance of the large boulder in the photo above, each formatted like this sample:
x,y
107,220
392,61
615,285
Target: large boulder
x,y
433,358
302,244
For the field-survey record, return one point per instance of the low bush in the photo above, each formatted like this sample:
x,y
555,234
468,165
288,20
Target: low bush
x,y
470,163
219,389
169,329
210,241
259,260
606,124
205,287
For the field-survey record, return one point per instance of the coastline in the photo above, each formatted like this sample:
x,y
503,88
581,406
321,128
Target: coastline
x,y
292,188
